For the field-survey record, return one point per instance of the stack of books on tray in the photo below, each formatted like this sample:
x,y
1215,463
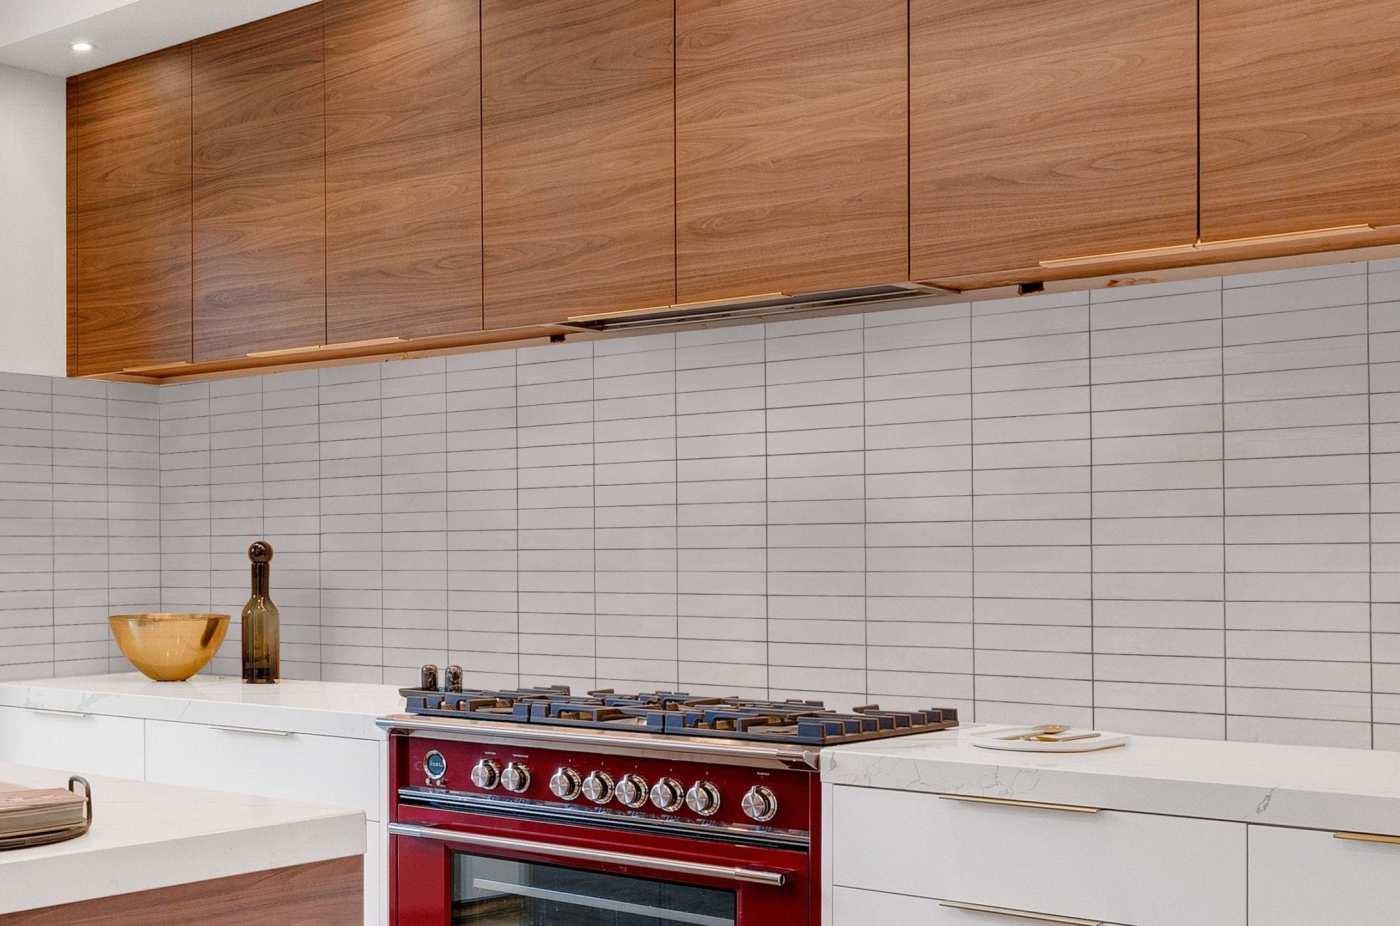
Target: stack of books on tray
x,y
27,813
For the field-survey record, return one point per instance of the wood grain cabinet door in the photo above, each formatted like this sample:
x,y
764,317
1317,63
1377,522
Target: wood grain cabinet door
x,y
1300,116
1049,129
259,187
403,168
578,158
791,145
130,175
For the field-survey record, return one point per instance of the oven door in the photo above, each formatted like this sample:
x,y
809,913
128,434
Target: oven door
x,y
461,869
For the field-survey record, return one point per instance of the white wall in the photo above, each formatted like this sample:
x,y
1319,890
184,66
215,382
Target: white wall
x,y
32,223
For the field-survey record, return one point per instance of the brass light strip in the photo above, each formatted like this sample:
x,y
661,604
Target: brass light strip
x,y
1019,914
1008,802
370,342
284,351
1368,837
1333,232
1088,259
317,348
1199,246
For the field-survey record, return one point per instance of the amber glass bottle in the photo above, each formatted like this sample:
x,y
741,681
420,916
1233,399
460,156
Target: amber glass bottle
x,y
262,660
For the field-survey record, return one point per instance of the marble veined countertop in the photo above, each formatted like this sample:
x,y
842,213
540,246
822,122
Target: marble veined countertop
x,y
342,709
146,836
1302,786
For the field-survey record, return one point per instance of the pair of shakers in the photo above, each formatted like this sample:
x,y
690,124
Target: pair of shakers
x,y
428,679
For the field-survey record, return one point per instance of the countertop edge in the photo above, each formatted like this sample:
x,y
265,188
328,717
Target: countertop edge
x,y
178,705
48,881
1044,778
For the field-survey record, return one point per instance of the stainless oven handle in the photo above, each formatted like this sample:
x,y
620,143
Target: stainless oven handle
x,y
601,903
674,866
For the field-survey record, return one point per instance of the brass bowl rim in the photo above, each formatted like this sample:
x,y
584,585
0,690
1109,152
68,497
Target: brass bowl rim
x,y
166,616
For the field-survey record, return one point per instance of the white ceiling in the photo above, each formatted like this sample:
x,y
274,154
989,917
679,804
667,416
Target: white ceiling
x,y
37,34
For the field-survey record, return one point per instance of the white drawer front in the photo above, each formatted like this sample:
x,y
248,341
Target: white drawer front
x,y
851,907
1307,878
1110,867
86,744
292,766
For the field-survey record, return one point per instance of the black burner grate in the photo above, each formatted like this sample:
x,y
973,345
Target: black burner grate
x,y
679,713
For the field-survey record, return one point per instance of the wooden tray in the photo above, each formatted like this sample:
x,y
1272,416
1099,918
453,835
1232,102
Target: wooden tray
x,y
46,837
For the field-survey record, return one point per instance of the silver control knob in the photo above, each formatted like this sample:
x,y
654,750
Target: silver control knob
x,y
486,774
565,784
632,791
667,795
598,787
703,798
760,804
515,778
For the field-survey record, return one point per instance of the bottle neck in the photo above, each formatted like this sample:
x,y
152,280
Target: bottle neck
x,y
261,580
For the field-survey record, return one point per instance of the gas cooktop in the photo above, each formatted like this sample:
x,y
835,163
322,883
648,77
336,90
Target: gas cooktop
x,y
670,713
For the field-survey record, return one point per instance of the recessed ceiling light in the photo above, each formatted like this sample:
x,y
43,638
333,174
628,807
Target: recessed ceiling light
x,y
82,47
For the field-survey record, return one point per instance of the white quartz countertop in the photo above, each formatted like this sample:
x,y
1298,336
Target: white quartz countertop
x,y
146,836
1302,786
342,709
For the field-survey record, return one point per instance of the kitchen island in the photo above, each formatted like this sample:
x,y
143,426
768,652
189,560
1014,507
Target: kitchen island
x,y
300,741
931,829
158,854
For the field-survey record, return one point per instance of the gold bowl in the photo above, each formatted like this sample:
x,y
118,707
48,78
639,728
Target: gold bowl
x,y
169,647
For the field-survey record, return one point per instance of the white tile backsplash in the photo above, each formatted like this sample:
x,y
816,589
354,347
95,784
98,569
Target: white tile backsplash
x,y
1171,509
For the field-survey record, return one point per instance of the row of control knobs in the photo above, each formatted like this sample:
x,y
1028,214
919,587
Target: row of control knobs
x,y
666,795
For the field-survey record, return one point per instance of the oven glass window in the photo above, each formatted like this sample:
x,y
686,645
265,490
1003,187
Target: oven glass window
x,y
498,892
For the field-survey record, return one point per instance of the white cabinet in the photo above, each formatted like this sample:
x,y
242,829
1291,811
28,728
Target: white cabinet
x,y
74,741
1307,878
1111,867
270,763
288,766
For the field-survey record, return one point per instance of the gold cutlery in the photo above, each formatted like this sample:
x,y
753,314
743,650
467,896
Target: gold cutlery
x,y
1045,729
1047,738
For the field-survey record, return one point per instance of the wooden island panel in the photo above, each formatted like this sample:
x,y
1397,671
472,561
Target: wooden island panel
x,y
317,894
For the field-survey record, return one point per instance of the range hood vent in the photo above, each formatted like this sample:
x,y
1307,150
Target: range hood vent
x,y
753,308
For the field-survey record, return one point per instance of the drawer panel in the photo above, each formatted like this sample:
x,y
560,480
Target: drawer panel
x,y
852,907
1304,877
292,766
85,744
1111,867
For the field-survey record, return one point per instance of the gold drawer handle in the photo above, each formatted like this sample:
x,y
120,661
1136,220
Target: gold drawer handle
x,y
1018,914
1368,837
1008,802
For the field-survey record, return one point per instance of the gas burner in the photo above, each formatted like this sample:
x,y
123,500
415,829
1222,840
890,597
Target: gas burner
x,y
678,713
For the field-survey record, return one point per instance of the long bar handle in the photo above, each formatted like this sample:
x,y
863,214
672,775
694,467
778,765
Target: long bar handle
x,y
1368,837
252,730
1008,802
1018,914
53,712
673,866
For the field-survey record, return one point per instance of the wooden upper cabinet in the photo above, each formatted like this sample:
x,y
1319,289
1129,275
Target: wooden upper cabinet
x,y
259,187
1049,129
130,191
791,145
578,158
1300,116
403,168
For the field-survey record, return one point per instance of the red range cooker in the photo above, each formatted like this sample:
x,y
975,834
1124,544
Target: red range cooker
x,y
535,807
